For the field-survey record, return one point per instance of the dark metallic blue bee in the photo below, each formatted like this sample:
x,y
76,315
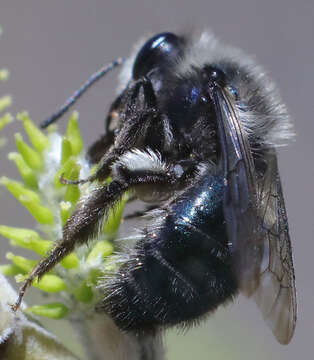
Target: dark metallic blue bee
x,y
194,132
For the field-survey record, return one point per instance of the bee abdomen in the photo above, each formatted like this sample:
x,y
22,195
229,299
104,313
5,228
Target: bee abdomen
x,y
180,269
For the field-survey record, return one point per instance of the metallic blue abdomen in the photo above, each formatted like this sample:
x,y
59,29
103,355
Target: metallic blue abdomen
x,y
181,268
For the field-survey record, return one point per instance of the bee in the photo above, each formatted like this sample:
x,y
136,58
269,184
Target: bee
x,y
194,131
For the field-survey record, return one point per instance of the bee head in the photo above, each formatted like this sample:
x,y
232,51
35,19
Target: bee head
x,y
159,53
181,99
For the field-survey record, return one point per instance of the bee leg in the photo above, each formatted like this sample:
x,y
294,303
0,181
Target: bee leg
x,y
84,223
99,148
126,139
137,119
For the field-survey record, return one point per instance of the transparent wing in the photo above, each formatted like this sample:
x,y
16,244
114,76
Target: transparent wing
x,y
276,293
256,223
240,194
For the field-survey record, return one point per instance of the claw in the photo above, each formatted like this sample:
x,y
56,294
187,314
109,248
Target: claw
x,y
65,181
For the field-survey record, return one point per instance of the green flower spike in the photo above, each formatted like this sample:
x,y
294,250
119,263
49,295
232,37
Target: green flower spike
x,y
30,199
65,211
21,338
21,262
72,193
30,239
66,172
53,310
10,270
73,134
5,102
5,120
66,150
84,293
25,171
49,283
19,191
51,203
115,217
4,74
31,157
39,141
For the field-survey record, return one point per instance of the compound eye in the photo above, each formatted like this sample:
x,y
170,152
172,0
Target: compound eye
x,y
215,75
161,50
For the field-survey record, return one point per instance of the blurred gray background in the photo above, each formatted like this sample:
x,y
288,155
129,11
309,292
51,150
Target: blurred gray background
x,y
51,47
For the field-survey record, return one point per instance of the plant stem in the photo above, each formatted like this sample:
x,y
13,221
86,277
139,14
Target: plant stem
x,y
103,340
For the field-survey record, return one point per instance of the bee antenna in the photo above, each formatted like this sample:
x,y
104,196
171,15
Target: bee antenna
x,y
78,93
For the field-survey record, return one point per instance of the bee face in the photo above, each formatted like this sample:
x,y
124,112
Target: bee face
x,y
194,130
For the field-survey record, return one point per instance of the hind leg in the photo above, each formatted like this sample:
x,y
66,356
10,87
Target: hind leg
x,y
85,221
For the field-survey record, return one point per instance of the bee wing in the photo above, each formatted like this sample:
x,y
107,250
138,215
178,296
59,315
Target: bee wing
x,y
257,224
240,193
276,293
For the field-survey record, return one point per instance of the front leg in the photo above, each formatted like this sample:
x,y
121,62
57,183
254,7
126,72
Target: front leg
x,y
97,150
101,146
139,113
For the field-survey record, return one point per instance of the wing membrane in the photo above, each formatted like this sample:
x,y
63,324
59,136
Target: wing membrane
x,y
276,293
240,194
256,222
